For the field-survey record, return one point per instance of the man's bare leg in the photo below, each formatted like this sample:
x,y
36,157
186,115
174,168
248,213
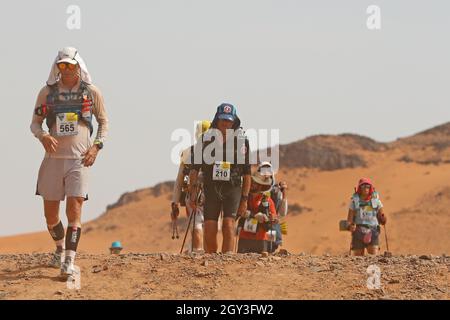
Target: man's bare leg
x,y
211,236
228,235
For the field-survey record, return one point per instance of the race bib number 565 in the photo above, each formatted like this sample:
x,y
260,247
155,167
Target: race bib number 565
x,y
67,124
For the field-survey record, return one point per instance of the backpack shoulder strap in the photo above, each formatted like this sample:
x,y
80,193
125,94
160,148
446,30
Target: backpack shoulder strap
x,y
375,201
87,91
52,92
355,199
85,87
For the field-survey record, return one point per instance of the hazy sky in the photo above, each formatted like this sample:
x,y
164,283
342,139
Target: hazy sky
x,y
305,67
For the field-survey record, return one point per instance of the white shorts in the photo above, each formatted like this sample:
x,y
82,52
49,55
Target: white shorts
x,y
60,178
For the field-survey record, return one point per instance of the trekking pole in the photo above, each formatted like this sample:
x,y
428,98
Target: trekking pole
x,y
193,227
174,215
173,229
386,238
265,204
185,234
236,242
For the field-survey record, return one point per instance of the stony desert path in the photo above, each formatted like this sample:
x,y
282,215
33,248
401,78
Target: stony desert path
x,y
229,276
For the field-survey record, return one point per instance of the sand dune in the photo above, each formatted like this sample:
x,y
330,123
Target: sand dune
x,y
412,176
415,195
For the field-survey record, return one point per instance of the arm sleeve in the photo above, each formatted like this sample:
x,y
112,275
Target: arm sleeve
x,y
36,121
352,205
283,209
99,112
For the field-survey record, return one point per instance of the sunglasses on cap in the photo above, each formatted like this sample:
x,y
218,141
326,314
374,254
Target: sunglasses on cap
x,y
365,185
66,65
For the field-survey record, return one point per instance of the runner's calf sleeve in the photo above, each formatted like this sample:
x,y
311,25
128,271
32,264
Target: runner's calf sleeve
x,y
56,231
73,237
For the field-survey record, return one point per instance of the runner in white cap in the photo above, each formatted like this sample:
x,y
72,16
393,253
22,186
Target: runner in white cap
x,y
68,103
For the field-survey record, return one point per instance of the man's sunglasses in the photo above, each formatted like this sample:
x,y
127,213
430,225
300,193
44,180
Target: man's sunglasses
x,y
365,186
65,65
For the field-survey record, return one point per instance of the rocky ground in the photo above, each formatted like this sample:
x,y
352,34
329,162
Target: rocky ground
x,y
230,276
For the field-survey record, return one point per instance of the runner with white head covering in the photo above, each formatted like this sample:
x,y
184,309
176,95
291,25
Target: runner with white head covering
x,y
68,55
68,103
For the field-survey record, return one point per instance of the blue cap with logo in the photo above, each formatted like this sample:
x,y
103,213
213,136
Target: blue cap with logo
x,y
226,111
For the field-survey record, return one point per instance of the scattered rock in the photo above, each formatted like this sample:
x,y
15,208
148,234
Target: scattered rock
x,y
317,269
264,254
392,281
439,289
388,254
275,258
283,252
105,267
259,264
425,257
201,274
205,263
96,269
59,293
383,260
404,291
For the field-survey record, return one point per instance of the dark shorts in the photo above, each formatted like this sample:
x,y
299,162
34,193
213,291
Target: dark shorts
x,y
358,242
220,198
250,245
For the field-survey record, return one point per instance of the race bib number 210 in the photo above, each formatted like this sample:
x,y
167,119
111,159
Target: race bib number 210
x,y
221,171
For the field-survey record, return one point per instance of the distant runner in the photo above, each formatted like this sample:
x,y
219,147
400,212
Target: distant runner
x,y
365,215
181,196
257,227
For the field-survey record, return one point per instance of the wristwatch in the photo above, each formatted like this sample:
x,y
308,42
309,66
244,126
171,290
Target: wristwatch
x,y
244,197
99,144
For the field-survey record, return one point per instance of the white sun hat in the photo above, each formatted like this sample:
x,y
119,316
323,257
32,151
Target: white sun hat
x,y
265,180
68,55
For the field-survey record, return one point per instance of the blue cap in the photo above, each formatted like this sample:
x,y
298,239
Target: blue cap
x,y
226,111
116,245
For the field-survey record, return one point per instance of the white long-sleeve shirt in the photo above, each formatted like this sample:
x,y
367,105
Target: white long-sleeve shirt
x,y
72,147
